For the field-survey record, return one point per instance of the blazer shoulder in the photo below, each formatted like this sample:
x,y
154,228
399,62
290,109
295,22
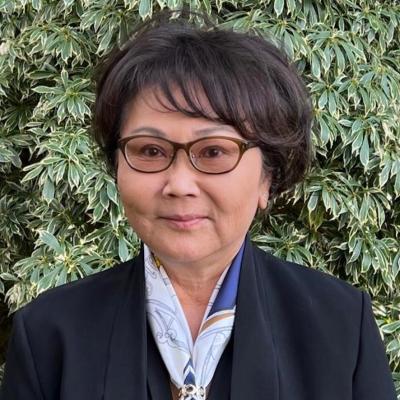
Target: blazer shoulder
x,y
308,281
81,298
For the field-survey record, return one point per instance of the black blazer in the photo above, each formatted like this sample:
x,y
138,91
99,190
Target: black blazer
x,y
299,334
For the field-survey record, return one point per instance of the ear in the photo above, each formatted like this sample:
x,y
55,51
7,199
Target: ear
x,y
264,191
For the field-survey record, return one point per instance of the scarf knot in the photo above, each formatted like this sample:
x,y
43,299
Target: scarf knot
x,y
189,392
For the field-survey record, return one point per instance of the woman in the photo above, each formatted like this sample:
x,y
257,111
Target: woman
x,y
201,127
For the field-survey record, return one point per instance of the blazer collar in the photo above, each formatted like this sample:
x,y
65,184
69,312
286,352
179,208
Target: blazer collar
x,y
254,361
254,364
157,374
126,374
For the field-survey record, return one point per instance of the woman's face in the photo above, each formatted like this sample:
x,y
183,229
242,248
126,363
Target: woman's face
x,y
220,208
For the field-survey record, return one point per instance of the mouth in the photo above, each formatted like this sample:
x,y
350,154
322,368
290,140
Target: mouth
x,y
184,221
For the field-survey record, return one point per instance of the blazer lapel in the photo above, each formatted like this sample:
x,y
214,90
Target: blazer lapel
x,y
254,365
157,374
220,384
126,376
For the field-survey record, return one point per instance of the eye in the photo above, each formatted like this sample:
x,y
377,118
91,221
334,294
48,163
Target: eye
x,y
151,151
212,152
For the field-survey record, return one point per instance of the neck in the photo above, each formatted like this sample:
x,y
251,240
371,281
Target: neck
x,y
195,281
194,289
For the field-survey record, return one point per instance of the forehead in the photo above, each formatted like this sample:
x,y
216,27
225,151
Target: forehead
x,y
153,98
151,108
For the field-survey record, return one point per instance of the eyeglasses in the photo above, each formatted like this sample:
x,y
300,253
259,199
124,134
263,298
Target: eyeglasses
x,y
211,155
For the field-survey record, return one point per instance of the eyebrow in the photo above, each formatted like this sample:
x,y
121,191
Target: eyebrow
x,y
202,131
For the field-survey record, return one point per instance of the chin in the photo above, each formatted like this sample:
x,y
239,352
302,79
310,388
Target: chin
x,y
180,251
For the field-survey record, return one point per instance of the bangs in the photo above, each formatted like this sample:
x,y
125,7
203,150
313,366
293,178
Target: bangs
x,y
204,78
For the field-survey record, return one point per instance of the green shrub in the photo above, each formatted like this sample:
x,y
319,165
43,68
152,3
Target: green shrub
x,y
60,216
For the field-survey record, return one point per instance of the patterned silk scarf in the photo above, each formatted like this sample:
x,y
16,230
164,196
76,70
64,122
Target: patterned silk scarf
x,y
191,365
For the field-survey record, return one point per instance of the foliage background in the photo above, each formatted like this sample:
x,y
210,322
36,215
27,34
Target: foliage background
x,y
60,216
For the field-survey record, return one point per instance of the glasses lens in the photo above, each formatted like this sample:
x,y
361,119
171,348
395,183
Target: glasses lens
x,y
148,154
215,155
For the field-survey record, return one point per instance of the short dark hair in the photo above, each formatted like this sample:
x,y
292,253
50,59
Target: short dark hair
x,y
249,82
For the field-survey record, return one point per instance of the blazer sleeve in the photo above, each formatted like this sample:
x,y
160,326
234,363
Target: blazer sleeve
x,y
372,377
20,380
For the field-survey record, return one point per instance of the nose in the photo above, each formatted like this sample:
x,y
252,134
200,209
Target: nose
x,y
181,177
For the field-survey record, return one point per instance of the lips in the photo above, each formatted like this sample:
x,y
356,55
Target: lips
x,y
186,217
184,222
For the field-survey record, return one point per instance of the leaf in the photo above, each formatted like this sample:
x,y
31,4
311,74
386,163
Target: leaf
x,y
145,8
50,160
325,132
288,45
44,90
49,239
73,175
365,262
123,251
5,276
393,346
104,200
105,41
98,212
36,4
323,99
341,64
384,174
315,66
64,77
48,190
66,50
46,281
33,173
112,192
207,5
397,184
365,207
326,198
364,153
326,58
391,328
358,141
366,78
278,7
356,251
396,265
86,268
291,5
312,201
62,277
332,103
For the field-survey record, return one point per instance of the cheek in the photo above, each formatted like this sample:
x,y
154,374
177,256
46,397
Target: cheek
x,y
239,199
137,207
131,190
125,189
